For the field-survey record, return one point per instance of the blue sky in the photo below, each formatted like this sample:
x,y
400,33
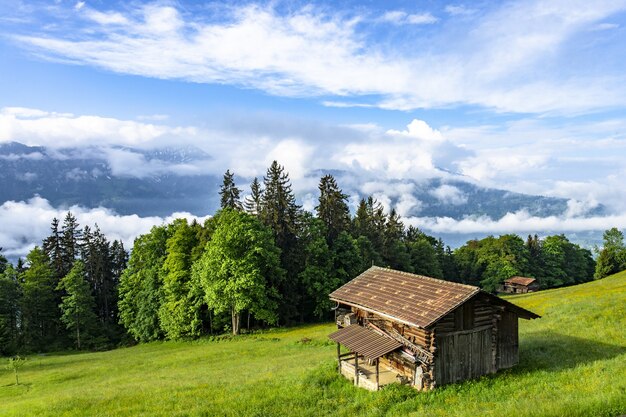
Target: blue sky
x,y
528,96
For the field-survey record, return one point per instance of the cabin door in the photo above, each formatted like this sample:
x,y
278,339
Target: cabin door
x,y
463,356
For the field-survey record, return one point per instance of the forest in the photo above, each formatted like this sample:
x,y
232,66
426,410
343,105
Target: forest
x,y
259,261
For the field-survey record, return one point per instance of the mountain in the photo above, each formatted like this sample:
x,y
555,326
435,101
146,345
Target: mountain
x,y
161,181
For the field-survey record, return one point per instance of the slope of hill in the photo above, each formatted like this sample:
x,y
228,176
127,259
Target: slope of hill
x,y
573,363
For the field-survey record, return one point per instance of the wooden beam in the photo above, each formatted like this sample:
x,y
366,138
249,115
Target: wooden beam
x,y
377,383
339,357
356,369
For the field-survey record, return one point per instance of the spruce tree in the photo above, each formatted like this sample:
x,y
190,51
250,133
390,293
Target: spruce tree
x,y
332,208
281,213
52,246
253,202
229,193
70,237
77,305
39,306
9,309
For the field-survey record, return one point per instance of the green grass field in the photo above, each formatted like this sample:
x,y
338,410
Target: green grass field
x,y
572,363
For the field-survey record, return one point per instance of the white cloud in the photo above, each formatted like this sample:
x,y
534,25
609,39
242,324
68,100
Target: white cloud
x,y
514,58
110,18
518,222
459,10
24,224
398,17
449,194
38,127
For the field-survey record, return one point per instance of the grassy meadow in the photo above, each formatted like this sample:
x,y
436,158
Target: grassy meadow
x,y
572,363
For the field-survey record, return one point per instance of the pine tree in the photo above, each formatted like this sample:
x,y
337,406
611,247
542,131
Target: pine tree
x,y
77,305
253,202
229,193
69,242
332,208
9,308
317,277
39,307
370,222
52,246
281,213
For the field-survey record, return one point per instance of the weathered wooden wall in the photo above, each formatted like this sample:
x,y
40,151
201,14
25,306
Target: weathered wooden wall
x,y
508,343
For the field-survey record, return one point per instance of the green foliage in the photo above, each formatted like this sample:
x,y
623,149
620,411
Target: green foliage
x,y
252,203
612,257
141,286
318,278
347,263
15,363
77,306
9,311
332,208
39,305
179,314
240,269
280,213
424,259
229,193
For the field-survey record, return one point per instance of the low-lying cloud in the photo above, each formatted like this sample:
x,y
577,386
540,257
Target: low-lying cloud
x,y
24,224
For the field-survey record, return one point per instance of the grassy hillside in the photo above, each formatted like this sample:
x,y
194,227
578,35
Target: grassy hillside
x,y
573,362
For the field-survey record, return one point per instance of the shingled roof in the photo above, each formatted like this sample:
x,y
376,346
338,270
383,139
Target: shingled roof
x,y
364,341
520,280
412,299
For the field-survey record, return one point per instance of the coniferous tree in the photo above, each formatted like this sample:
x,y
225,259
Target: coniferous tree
x,y
39,307
52,246
394,251
77,305
332,208
318,278
70,249
370,222
281,214
9,308
229,193
347,263
253,202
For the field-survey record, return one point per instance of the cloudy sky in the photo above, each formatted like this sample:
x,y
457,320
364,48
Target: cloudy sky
x,y
526,96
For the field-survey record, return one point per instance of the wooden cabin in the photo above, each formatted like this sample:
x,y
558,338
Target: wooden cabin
x,y
426,332
519,285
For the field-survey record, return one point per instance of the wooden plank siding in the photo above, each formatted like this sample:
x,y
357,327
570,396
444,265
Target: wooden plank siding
x,y
508,343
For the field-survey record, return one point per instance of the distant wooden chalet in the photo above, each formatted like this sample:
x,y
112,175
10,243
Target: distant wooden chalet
x,y
519,285
421,331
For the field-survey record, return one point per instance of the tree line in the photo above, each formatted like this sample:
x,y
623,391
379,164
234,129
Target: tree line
x,y
65,293
260,260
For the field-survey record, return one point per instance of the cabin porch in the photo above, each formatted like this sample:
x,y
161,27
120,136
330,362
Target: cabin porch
x,y
371,375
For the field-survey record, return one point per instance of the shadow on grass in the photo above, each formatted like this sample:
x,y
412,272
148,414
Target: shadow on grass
x,y
556,352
